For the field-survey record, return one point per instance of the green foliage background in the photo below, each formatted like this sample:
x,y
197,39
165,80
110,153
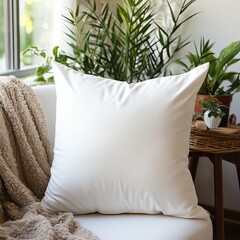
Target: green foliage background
x,y
126,44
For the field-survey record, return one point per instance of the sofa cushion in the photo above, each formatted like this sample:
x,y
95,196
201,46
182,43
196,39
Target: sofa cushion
x,y
145,227
47,96
123,147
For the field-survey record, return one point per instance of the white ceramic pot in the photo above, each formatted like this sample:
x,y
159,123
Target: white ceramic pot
x,y
211,122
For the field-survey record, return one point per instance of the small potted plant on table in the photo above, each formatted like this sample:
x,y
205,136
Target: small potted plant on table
x,y
212,111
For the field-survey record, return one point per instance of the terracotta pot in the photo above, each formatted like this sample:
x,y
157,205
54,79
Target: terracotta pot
x,y
224,100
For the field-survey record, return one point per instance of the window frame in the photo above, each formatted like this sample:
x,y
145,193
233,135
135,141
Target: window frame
x,y
11,27
12,41
20,73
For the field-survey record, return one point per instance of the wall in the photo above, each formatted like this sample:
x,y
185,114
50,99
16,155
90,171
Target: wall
x,y
219,21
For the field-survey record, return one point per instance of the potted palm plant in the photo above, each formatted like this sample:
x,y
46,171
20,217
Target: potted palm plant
x,y
220,81
126,42
212,111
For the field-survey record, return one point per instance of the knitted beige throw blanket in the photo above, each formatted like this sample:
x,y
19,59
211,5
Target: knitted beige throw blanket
x,y
25,160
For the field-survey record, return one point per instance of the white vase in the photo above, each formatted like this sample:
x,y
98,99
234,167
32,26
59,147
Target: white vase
x,y
211,122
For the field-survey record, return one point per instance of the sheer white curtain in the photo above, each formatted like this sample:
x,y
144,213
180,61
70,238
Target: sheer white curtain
x,y
60,7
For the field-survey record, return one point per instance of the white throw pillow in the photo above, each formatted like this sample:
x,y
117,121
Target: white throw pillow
x,y
123,147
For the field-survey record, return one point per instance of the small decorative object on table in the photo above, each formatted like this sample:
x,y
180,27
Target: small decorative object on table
x,y
212,111
232,120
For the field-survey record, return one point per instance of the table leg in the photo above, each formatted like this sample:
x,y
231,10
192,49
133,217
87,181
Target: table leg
x,y
238,173
218,190
235,159
193,164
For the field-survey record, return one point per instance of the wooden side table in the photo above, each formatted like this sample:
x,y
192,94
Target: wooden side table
x,y
216,145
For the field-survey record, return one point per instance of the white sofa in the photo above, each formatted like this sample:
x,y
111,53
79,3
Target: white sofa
x,y
129,226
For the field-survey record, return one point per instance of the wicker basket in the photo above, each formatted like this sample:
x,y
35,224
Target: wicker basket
x,y
220,140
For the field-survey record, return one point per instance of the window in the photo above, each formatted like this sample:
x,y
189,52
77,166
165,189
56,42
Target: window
x,y
23,23
2,43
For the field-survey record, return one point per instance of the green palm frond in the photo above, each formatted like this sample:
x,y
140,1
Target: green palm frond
x,y
125,43
218,70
